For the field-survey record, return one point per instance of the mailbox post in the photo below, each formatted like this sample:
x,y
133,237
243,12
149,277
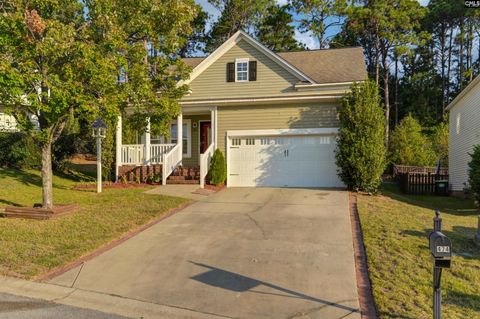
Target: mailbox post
x,y
441,249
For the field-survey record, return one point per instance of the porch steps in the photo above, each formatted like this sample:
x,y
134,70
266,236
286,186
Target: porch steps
x,y
185,175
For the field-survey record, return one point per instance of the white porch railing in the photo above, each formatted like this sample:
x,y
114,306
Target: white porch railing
x,y
158,150
170,161
205,159
134,154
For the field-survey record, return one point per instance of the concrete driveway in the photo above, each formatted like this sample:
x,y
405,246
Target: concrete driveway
x,y
240,253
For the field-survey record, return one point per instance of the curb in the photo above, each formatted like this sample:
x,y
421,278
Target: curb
x,y
97,301
364,286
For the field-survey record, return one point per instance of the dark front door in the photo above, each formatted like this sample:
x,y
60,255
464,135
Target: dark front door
x,y
205,135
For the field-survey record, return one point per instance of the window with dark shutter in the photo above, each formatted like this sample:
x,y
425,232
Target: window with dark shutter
x,y
252,70
231,72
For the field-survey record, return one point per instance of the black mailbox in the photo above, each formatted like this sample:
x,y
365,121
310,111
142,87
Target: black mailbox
x,y
441,249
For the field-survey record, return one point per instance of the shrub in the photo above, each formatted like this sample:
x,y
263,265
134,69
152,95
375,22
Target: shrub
x,y
18,150
409,146
474,173
218,168
361,153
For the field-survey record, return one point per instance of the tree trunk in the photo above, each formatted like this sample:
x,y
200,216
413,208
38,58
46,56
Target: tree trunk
x,y
449,65
387,105
460,52
470,52
396,90
443,58
478,64
377,57
47,175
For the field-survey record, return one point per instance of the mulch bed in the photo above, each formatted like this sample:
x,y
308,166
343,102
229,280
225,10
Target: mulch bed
x,y
215,188
39,212
364,286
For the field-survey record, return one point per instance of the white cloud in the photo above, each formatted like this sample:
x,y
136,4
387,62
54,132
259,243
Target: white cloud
x,y
306,38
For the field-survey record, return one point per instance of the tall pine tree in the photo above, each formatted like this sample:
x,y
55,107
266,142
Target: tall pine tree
x,y
275,30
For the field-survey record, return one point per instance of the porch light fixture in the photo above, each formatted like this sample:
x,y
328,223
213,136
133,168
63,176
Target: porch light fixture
x,y
99,131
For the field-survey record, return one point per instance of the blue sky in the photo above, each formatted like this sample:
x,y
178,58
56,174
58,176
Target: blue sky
x,y
305,38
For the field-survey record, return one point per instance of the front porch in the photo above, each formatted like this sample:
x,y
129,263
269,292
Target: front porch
x,y
180,160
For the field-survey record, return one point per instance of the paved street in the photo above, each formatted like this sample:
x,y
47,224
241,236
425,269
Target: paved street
x,y
15,307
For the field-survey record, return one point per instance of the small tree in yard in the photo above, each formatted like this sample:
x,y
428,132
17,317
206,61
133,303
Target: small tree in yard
x,y
361,153
474,173
218,168
440,140
409,146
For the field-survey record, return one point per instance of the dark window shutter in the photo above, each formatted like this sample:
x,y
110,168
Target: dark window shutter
x,y
231,72
252,70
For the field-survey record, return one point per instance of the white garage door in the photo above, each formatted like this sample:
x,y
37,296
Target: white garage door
x,y
283,161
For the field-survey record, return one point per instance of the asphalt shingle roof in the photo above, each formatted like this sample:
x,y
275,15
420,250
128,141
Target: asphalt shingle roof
x,y
322,66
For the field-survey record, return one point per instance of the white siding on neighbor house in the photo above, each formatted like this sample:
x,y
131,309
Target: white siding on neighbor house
x,y
464,134
7,123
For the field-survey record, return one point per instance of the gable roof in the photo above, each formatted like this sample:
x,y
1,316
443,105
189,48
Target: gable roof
x,y
463,93
320,66
227,45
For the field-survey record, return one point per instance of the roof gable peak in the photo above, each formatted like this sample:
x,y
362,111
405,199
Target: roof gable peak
x,y
232,41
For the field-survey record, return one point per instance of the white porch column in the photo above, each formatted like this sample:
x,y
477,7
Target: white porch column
x,y
180,133
118,148
147,143
213,121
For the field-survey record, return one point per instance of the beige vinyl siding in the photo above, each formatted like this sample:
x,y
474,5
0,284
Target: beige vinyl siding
x,y
194,160
466,113
272,79
274,117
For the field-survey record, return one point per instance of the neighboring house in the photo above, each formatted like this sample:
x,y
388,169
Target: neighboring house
x,y
464,133
7,122
273,115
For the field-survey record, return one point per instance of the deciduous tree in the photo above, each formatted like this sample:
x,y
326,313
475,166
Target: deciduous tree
x,y
410,146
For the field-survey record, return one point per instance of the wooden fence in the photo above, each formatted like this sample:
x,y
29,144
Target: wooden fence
x,y
419,183
399,169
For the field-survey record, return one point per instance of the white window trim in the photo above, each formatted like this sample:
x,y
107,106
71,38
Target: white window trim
x,y
242,60
188,122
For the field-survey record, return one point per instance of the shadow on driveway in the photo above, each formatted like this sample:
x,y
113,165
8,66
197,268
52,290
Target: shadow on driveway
x,y
235,282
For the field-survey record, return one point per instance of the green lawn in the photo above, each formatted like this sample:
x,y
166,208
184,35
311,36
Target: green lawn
x,y
395,228
29,248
